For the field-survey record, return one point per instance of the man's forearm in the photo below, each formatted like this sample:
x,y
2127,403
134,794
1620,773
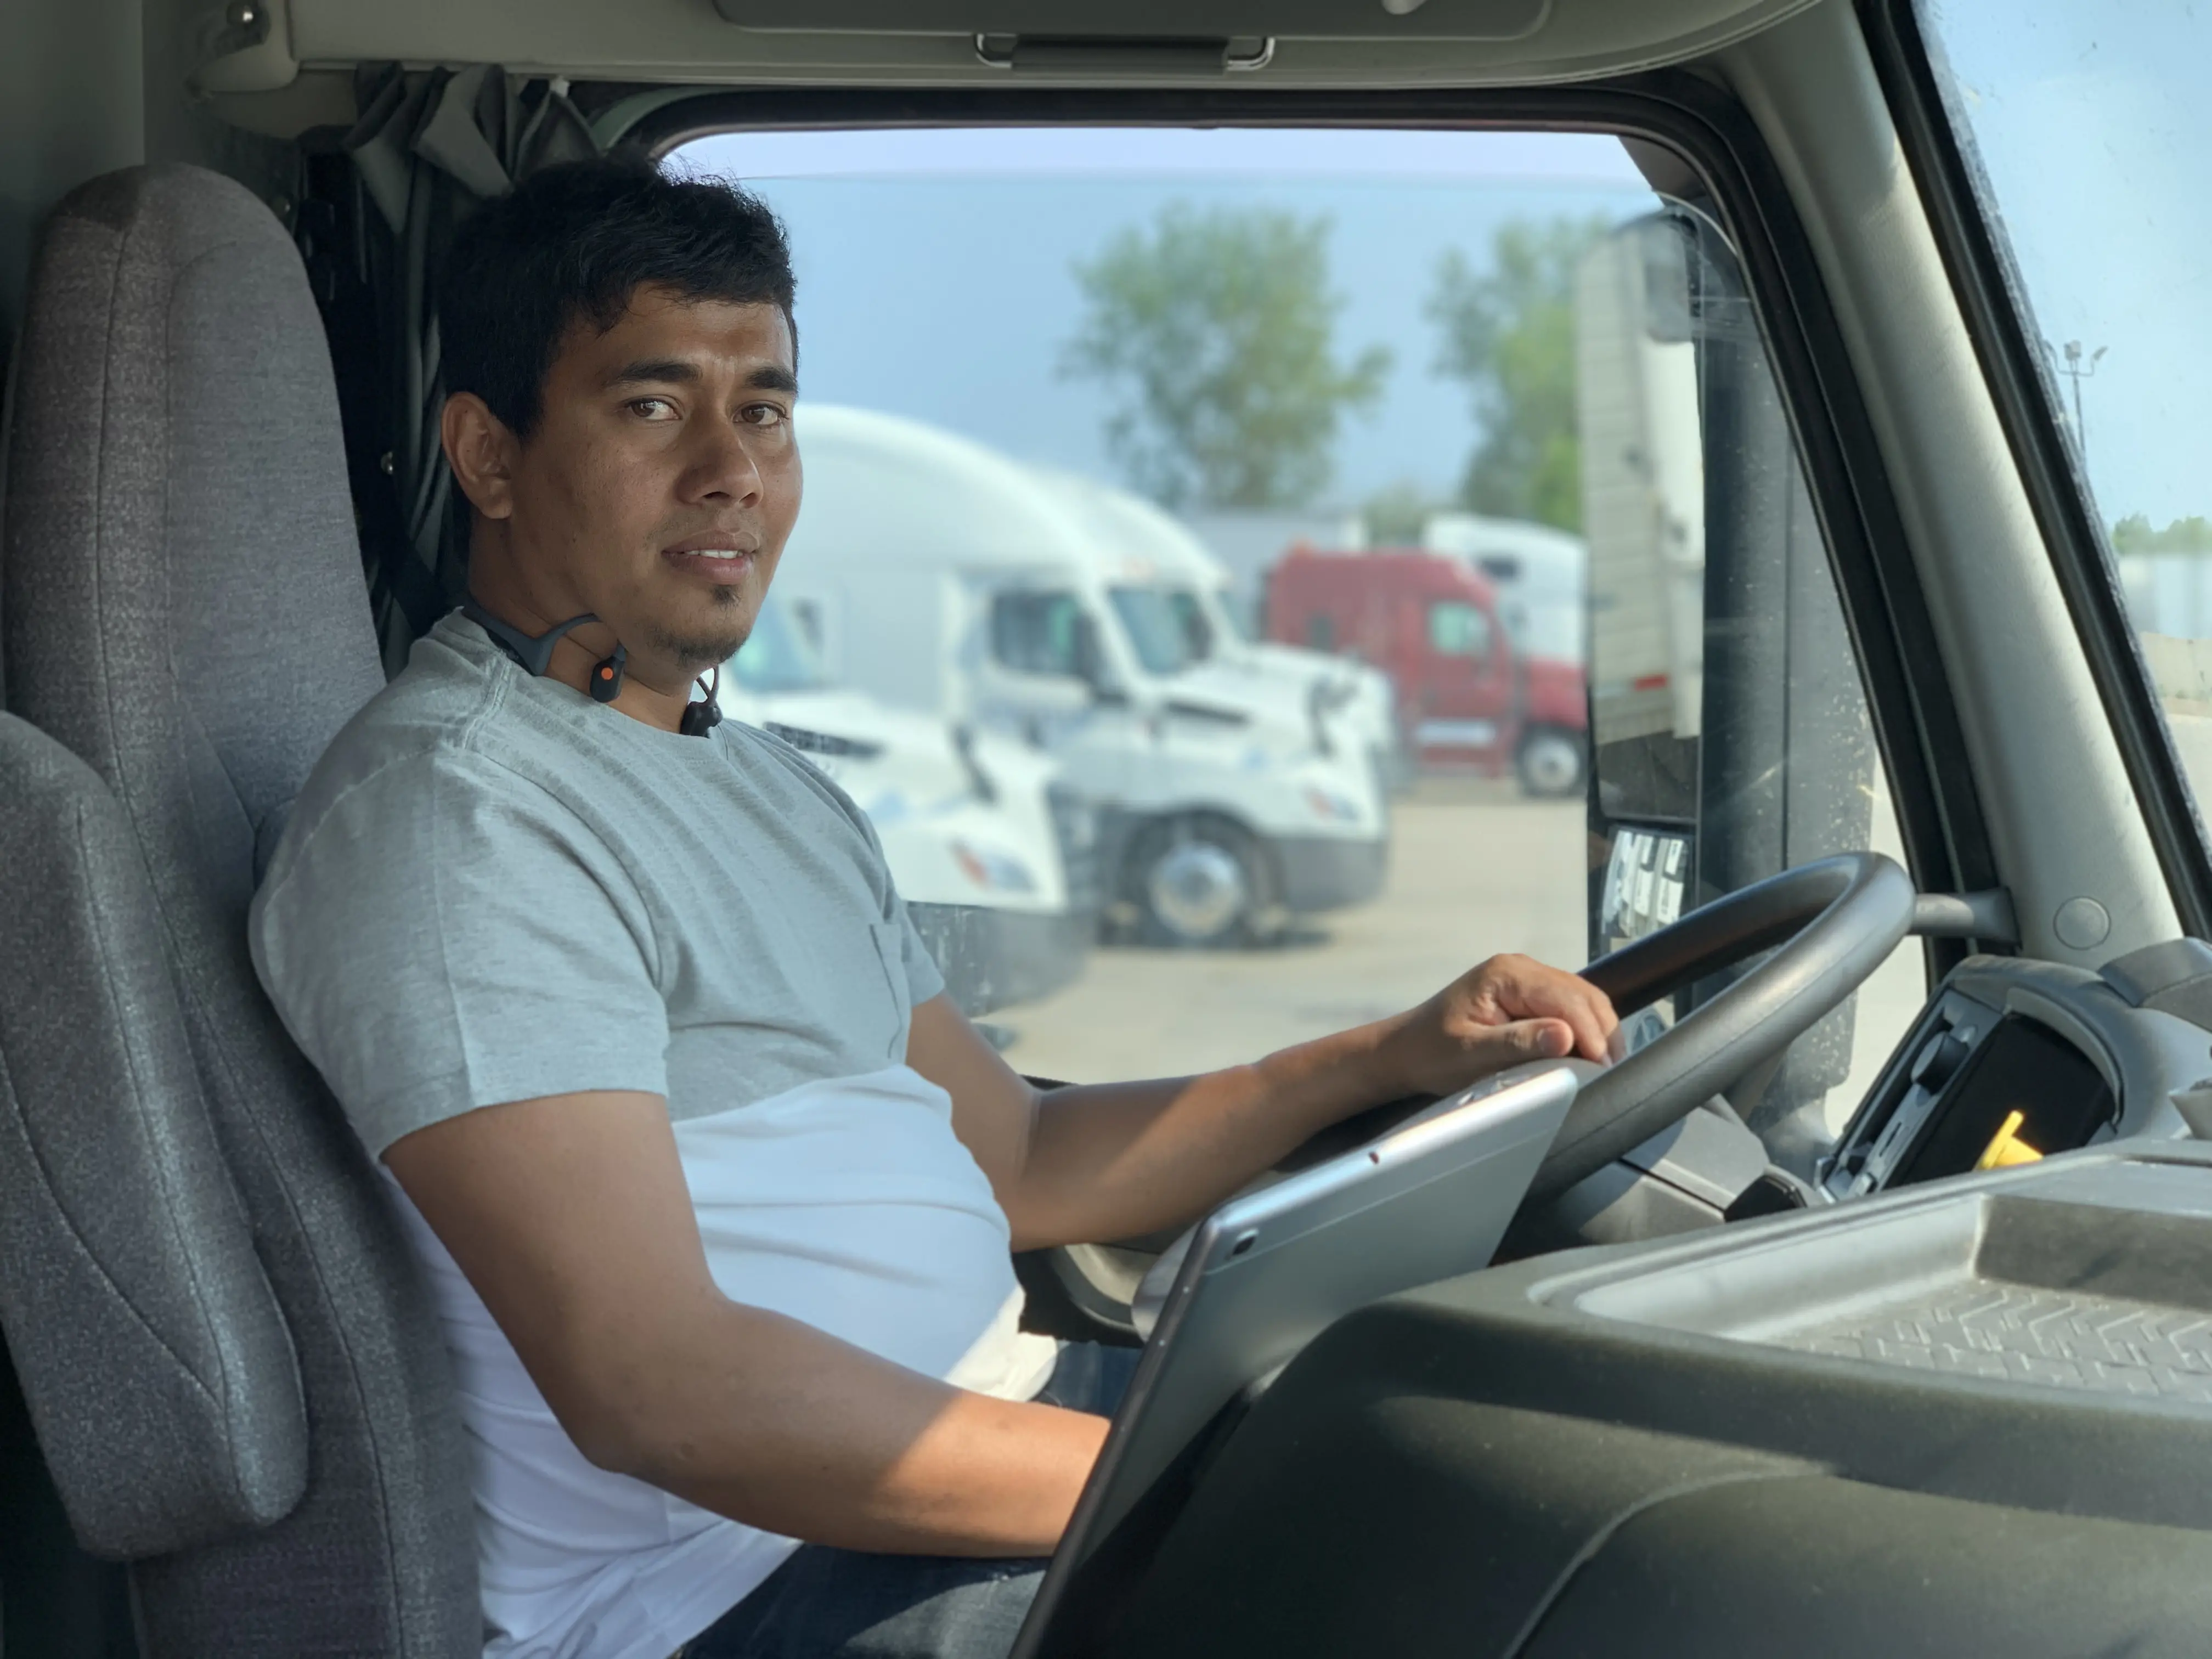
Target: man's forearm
x,y
787,1429
1112,1160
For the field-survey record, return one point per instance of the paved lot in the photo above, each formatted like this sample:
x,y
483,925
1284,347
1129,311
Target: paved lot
x,y
1474,869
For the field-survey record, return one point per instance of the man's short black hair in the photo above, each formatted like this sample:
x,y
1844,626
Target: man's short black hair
x,y
574,242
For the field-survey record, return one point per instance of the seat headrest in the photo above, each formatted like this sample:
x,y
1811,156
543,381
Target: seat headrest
x,y
180,587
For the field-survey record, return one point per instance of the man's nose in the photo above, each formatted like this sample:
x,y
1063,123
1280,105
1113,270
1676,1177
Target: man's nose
x,y
722,467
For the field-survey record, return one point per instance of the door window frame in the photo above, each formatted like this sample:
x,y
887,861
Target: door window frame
x,y
1686,126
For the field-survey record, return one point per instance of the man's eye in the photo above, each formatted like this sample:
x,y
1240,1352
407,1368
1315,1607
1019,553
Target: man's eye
x,y
764,414
652,409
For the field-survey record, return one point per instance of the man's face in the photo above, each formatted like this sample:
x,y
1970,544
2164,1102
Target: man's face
x,y
662,476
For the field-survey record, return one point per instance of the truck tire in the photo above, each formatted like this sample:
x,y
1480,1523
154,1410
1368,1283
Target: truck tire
x,y
1199,882
1551,763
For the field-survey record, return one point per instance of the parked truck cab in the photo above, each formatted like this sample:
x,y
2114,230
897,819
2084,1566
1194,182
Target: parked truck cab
x,y
1158,565
1541,576
946,577
1434,625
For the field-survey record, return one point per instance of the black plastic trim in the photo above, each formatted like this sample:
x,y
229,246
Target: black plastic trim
x,y
1945,833
2050,466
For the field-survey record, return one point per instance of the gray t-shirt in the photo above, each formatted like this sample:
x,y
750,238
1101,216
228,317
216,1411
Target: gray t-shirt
x,y
493,888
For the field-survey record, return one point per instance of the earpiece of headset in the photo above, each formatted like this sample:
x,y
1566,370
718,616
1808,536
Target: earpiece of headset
x,y
607,675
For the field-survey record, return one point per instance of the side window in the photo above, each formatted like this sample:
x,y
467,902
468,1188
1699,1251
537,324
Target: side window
x,y
1530,423
1458,629
1036,632
2077,117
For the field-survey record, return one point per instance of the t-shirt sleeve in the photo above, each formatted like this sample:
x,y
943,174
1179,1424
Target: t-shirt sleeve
x,y
923,979
446,936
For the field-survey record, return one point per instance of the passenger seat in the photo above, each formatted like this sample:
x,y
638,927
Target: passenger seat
x,y
233,1368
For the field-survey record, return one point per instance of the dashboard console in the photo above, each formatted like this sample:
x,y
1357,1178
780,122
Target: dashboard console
x,y
2080,1057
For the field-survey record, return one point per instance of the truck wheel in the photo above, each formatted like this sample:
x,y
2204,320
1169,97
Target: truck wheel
x,y
1199,882
1551,763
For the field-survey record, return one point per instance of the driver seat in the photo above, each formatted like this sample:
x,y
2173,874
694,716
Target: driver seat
x,y
186,623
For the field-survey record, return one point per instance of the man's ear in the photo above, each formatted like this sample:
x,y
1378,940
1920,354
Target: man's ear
x,y
482,451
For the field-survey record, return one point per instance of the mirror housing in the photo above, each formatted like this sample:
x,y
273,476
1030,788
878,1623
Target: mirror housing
x,y
1730,738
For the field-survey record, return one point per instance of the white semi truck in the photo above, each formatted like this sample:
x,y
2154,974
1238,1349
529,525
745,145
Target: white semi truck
x,y
994,853
1541,576
1643,500
1154,560
950,580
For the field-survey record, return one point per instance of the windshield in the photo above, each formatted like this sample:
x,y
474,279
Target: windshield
x,y
778,656
1155,633
1198,370
1190,615
2087,122
1224,616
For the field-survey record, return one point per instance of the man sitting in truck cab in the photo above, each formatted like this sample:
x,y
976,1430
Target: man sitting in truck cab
x,y
715,1186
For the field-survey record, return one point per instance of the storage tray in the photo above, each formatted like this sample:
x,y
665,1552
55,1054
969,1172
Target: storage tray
x,y
2052,1283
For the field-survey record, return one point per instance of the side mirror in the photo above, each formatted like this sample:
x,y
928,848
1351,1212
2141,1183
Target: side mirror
x,y
1709,600
1644,483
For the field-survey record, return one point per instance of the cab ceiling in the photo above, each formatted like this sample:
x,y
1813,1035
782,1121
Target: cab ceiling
x,y
1309,43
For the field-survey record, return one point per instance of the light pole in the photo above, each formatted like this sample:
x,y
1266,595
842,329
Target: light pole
x,y
2077,372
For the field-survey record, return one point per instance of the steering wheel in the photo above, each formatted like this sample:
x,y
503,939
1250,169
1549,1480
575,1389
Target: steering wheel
x,y
1835,921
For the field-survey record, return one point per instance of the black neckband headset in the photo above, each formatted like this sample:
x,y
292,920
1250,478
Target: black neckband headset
x,y
533,653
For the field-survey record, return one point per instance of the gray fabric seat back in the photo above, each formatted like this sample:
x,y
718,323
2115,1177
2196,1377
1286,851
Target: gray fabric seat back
x,y
156,1367
181,605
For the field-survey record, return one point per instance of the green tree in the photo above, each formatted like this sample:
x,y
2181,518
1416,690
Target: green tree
x,y
2134,534
1396,514
1509,332
1215,329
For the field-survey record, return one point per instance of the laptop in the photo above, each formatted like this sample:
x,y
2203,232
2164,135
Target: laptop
x,y
1259,1279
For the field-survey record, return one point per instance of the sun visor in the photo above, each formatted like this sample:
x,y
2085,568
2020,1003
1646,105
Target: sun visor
x,y
1159,23
859,43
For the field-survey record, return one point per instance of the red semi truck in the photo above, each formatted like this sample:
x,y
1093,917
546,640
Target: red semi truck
x,y
1469,696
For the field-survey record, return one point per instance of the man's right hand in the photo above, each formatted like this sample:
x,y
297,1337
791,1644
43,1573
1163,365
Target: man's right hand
x,y
571,1219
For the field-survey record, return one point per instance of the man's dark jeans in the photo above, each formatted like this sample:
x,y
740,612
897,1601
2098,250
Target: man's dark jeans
x,y
826,1603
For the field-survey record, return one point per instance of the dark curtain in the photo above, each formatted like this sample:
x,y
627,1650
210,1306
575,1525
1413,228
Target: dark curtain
x,y
383,201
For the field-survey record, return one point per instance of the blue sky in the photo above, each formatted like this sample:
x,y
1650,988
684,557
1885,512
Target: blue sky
x,y
935,268
2090,121
935,280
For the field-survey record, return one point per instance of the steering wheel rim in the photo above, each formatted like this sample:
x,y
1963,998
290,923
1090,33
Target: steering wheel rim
x,y
1835,921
